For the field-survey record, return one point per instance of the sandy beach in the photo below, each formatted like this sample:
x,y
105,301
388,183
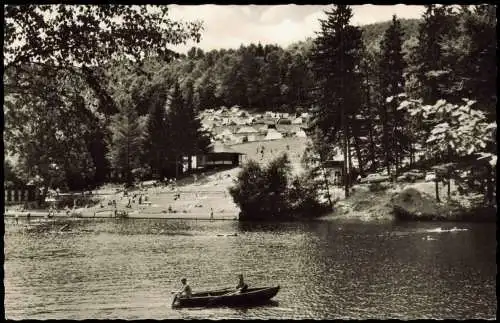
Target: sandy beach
x,y
192,197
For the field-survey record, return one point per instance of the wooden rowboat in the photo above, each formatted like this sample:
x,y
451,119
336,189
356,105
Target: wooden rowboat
x,y
226,297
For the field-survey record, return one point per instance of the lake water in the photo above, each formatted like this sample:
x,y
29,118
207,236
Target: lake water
x,y
126,269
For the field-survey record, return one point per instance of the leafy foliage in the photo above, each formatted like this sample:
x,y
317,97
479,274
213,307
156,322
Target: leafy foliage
x,y
42,131
458,130
270,193
91,35
59,90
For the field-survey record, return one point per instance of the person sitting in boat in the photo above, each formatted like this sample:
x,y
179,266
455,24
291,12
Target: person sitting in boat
x,y
241,287
186,289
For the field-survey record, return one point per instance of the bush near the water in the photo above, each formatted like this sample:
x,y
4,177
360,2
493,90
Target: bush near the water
x,y
270,193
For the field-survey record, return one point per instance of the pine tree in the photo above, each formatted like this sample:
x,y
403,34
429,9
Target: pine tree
x,y
187,137
336,59
392,83
270,86
126,147
432,72
157,130
480,61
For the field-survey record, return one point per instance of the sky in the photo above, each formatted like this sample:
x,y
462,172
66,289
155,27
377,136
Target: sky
x,y
229,26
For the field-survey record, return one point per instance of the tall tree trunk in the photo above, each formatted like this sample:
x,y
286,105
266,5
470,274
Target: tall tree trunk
x,y
325,178
396,162
358,153
349,156
436,183
190,161
372,146
386,138
370,128
411,154
345,149
129,173
176,167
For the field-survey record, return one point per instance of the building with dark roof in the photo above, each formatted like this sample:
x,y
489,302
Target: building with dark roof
x,y
220,155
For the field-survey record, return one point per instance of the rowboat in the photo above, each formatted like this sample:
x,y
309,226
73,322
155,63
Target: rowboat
x,y
226,297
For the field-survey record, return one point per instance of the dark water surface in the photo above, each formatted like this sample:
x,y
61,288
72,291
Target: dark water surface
x,y
126,269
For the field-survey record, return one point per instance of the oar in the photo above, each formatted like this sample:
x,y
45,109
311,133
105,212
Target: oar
x,y
173,301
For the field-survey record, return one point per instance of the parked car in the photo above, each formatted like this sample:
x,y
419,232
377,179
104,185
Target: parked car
x,y
411,175
430,176
374,178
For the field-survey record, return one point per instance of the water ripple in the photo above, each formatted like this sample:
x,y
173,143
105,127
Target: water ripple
x,y
126,270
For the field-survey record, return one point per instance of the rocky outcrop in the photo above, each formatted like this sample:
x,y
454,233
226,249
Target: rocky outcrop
x,y
411,204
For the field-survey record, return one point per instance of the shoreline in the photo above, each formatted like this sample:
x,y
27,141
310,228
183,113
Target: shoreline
x,y
183,216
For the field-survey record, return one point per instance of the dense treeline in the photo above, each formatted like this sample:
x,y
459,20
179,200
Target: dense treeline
x,y
448,78
261,77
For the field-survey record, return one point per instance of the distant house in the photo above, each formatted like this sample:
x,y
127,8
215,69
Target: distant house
x,y
273,134
219,155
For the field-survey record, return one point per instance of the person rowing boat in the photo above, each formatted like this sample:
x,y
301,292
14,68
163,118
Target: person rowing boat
x,y
185,291
240,288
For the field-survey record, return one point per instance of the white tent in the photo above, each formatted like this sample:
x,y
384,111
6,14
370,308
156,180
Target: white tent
x,y
273,134
301,134
247,130
297,120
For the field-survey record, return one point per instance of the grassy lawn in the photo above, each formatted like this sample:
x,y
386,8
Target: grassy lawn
x,y
293,146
